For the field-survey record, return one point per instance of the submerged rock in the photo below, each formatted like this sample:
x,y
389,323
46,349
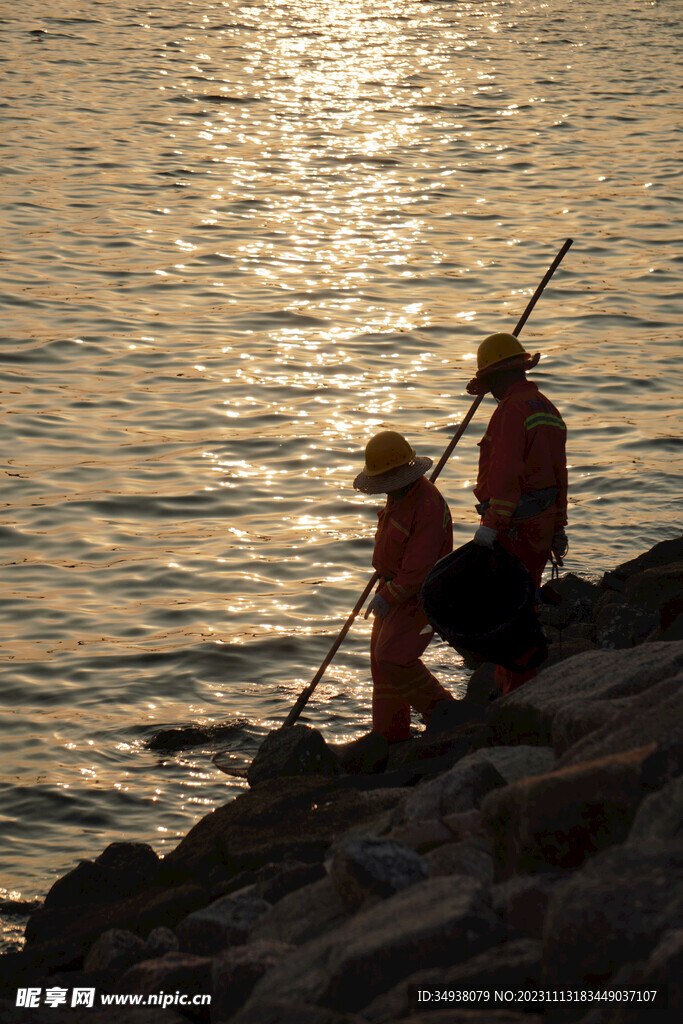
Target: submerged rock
x,y
182,736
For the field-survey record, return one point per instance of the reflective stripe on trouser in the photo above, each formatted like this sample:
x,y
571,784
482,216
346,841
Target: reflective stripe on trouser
x,y
530,541
400,680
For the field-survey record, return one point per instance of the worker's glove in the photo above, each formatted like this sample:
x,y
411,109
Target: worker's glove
x,y
559,544
379,607
485,536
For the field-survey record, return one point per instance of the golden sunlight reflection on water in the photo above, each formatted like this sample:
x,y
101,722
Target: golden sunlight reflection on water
x,y
289,230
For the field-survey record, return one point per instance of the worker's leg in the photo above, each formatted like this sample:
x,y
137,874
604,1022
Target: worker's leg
x,y
530,541
400,679
390,712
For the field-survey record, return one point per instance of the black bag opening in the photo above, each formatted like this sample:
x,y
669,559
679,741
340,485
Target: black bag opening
x,y
483,600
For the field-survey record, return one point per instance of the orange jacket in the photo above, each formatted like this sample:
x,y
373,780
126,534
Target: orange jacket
x,y
523,450
413,533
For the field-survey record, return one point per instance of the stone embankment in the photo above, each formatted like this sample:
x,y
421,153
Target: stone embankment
x,y
530,844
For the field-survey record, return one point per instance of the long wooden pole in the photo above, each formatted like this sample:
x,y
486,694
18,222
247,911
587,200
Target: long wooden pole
x,y
305,694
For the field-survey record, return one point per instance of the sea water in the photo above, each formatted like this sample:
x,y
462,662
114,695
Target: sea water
x,y
237,239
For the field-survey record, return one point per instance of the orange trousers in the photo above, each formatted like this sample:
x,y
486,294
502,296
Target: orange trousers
x,y
400,680
530,540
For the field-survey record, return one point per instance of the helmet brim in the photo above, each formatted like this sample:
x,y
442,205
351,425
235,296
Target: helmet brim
x,y
393,479
480,384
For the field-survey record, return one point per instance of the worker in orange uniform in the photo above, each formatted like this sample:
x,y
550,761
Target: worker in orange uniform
x,y
522,480
414,532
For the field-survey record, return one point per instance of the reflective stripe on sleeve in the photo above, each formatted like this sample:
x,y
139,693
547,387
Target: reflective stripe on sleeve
x,y
543,419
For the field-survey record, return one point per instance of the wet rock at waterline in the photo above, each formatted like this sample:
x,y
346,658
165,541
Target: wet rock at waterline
x,y
292,750
365,756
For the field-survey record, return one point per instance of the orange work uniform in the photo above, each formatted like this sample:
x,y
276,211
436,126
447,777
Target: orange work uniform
x,y
413,533
522,463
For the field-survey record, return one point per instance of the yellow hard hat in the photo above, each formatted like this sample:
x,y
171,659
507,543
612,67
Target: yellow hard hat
x,y
390,463
495,348
500,351
386,450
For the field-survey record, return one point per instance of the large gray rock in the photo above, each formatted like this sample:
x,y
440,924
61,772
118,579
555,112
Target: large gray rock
x,y
652,716
577,600
613,911
563,648
559,819
655,587
286,878
515,762
281,1011
181,971
373,868
11,1014
462,788
439,921
116,949
522,900
660,816
512,965
292,750
235,972
449,1016
660,977
430,833
281,819
469,857
619,626
302,915
580,693
226,922
159,942
60,939
122,869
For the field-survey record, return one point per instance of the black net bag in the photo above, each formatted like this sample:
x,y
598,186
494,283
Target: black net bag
x,y
484,600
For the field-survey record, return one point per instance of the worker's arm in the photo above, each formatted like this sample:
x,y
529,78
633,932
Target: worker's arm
x,y
423,548
505,467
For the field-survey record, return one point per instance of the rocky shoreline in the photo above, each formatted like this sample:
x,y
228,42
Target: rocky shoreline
x,y
512,861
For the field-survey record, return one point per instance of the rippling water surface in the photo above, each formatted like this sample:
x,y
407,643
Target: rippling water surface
x,y
237,240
